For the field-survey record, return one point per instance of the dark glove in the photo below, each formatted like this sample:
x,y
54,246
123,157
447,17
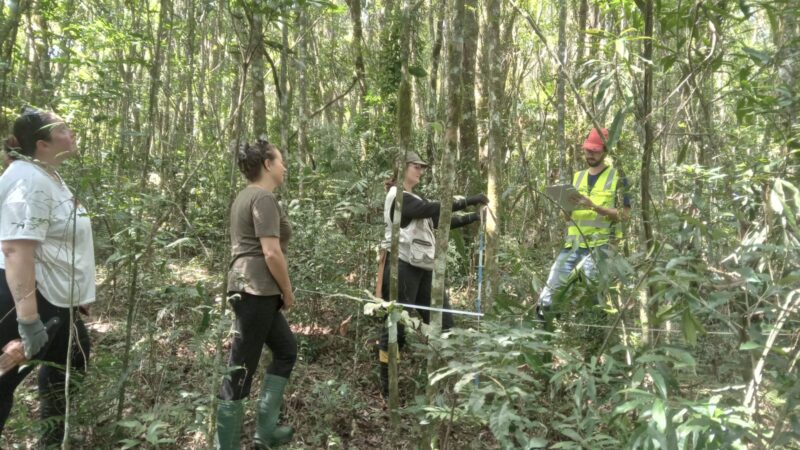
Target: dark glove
x,y
33,334
479,199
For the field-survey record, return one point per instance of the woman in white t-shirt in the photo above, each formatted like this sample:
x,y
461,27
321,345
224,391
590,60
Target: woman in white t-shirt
x,y
47,267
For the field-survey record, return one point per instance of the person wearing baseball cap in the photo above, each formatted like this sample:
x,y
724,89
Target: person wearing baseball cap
x,y
595,223
415,250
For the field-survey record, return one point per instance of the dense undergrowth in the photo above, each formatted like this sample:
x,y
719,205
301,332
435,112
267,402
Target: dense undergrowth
x,y
585,379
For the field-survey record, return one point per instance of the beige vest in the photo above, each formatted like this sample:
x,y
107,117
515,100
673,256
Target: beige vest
x,y
417,242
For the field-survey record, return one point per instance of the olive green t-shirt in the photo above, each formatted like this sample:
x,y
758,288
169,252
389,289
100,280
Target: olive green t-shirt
x,y
255,214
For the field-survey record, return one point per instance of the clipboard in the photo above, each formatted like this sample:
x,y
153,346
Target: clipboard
x,y
565,195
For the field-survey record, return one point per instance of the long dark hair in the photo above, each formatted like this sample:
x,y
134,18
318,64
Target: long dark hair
x,y
30,127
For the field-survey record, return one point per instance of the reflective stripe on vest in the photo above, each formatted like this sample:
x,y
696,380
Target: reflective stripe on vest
x,y
589,228
599,223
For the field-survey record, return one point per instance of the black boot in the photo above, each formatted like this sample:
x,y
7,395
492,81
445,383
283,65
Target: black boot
x,y
542,312
52,418
384,379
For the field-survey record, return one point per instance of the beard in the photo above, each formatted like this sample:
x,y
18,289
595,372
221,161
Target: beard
x,y
594,163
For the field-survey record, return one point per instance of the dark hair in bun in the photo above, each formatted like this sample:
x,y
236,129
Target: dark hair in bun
x,y
251,157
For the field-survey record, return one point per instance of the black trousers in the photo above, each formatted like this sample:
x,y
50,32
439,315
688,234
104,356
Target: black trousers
x,y
413,288
259,321
51,375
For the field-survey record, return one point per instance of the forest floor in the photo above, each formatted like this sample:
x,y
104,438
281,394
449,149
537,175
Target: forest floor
x,y
332,401
179,345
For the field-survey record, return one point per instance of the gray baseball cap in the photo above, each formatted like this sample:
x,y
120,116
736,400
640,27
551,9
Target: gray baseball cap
x,y
413,157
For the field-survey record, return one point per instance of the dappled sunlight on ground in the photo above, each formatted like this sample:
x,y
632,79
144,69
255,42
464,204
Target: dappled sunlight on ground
x,y
99,326
311,329
189,272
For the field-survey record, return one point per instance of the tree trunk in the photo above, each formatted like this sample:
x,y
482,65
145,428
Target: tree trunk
x,y
8,36
285,104
358,43
9,25
358,57
561,140
469,122
436,52
255,52
583,12
404,118
191,51
404,109
788,61
187,128
455,53
647,156
41,86
302,57
495,66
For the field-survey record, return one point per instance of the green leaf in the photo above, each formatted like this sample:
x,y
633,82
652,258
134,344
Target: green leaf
x,y
682,152
658,437
171,289
667,62
442,374
681,356
130,423
688,326
627,406
129,443
649,358
758,56
659,415
660,383
745,8
750,345
793,279
638,377
464,381
437,127
616,127
417,71
572,434
115,257
776,200
781,187
537,442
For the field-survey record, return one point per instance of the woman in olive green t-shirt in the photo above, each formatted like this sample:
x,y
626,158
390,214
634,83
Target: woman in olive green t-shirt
x,y
258,289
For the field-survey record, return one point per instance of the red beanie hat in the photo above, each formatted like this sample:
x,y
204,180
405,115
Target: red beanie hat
x,y
594,143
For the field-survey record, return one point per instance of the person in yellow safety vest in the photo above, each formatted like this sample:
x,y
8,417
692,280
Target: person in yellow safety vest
x,y
592,226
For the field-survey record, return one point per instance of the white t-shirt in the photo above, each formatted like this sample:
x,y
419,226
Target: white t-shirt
x,y
35,206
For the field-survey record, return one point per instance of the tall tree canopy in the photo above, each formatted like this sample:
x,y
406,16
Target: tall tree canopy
x,y
696,342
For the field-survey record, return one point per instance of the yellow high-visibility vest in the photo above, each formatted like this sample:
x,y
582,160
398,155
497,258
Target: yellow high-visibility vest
x,y
593,230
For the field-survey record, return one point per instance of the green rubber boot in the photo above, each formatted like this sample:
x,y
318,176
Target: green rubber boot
x,y
268,433
230,414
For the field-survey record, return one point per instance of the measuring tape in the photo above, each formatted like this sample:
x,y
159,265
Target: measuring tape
x,y
405,305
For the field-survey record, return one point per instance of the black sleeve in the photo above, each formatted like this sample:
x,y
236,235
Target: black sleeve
x,y
419,208
460,204
463,219
416,208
